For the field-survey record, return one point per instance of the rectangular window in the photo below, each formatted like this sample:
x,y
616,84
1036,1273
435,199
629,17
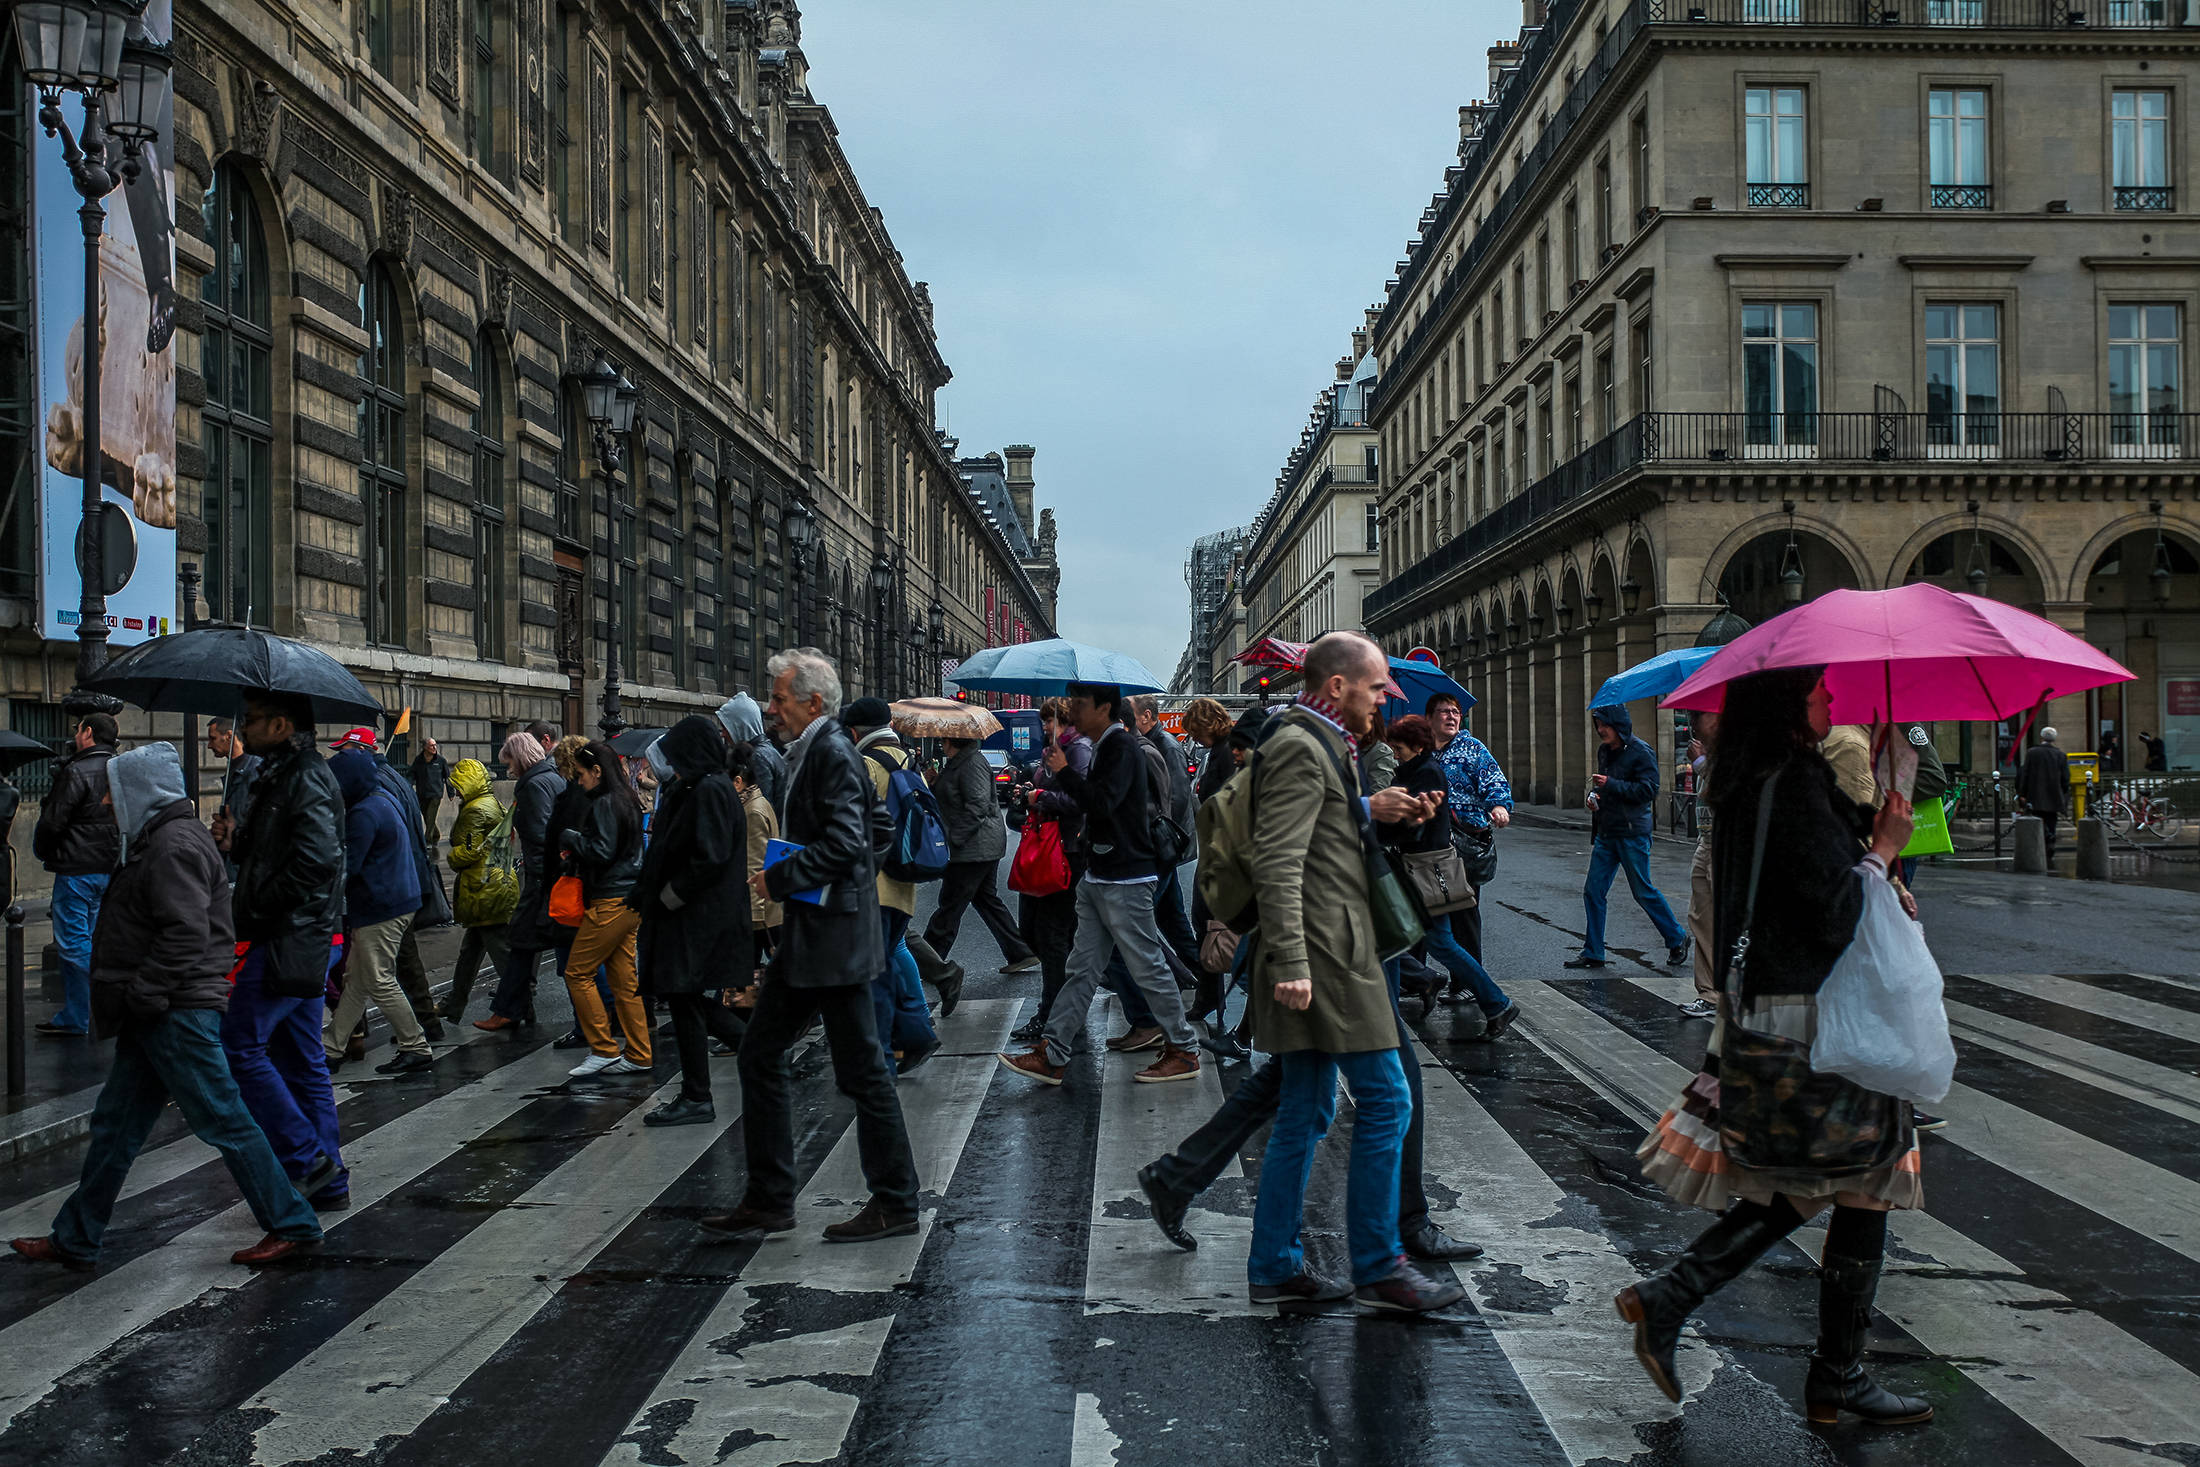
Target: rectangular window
x,y
1573,243
1779,374
1545,447
1497,328
1607,395
622,196
382,36
1777,158
1642,365
1520,301
1499,462
1603,203
2139,138
561,136
1962,376
1639,167
2145,384
1543,277
1520,450
2138,12
1771,12
1373,525
1955,12
1956,140
1481,362
1574,442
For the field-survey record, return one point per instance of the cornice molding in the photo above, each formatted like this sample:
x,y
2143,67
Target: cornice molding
x,y
2140,262
1780,262
1961,261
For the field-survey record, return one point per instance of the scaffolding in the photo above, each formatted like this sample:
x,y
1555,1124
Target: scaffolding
x,y
1207,571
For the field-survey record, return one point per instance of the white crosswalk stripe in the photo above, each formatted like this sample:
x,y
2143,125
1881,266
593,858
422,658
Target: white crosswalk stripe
x,y
750,1387
40,1350
766,1387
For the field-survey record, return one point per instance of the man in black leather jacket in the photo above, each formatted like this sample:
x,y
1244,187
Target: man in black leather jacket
x,y
75,839
288,904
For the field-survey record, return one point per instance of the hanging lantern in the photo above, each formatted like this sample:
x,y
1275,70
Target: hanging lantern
x,y
2159,576
1791,572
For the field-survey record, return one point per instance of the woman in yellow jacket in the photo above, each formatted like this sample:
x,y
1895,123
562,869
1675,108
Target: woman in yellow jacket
x,y
488,880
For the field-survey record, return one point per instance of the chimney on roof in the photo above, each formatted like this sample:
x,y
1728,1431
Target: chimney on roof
x,y
1359,342
1018,475
1344,369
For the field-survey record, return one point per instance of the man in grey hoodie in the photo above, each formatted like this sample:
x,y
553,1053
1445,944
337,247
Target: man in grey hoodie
x,y
743,722
161,956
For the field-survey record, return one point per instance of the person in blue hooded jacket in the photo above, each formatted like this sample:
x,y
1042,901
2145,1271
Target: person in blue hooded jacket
x,y
1621,793
381,894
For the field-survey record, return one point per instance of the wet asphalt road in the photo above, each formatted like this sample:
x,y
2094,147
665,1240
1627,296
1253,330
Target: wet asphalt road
x,y
520,1279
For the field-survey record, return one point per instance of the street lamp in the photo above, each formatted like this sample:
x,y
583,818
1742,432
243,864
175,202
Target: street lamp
x,y
882,586
1630,595
608,399
800,530
91,48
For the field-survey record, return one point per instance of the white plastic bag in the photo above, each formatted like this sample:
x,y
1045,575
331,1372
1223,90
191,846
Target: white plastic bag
x,y
1881,1022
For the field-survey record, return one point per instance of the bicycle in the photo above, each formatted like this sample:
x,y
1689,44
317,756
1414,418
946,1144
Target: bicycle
x,y
2126,815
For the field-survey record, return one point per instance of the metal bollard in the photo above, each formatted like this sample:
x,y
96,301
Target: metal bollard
x,y
18,1022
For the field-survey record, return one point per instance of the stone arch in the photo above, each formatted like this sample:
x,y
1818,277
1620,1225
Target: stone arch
x,y
1749,582
2029,556
2081,571
1825,531
1641,563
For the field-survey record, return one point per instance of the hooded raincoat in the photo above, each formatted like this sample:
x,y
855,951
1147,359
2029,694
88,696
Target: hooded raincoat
x,y
164,939
743,722
692,893
482,850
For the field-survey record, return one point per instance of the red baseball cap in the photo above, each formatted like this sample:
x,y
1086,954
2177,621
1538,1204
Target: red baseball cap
x,y
358,738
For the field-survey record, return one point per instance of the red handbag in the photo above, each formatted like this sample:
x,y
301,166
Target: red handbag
x,y
1040,868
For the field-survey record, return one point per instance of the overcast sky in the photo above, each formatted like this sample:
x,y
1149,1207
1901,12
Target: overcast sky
x,y
1149,230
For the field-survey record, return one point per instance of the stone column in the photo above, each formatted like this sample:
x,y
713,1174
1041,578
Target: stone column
x,y
1519,758
1574,688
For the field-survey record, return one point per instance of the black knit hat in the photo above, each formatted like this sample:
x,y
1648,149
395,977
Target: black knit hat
x,y
1249,725
867,713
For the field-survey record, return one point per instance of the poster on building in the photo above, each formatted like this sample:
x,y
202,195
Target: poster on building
x,y
2181,721
137,399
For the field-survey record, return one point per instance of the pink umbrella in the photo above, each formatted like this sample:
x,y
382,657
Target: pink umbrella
x,y
1913,653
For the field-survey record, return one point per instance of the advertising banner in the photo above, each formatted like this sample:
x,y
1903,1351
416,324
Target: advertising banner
x,y
137,400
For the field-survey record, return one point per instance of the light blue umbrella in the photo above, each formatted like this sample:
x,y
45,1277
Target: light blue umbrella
x,y
1046,669
1653,679
1420,681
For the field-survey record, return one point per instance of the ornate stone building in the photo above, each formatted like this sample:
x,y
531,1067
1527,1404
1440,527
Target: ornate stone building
x,y
404,227
1736,301
1312,556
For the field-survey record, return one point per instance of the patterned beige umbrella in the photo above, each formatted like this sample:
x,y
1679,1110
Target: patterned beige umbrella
x,y
943,718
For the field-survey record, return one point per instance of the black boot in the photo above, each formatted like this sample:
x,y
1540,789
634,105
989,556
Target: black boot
x,y
1659,1305
1837,1381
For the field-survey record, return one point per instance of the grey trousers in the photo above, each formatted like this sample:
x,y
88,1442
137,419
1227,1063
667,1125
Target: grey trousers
x,y
1114,918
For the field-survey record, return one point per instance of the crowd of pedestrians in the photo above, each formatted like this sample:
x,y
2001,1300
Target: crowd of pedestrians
x,y
754,877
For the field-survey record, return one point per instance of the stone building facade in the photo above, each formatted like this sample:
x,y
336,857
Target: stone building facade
x,y
404,227
1732,302
1312,556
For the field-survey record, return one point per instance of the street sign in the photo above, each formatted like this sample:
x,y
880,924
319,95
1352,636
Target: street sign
x,y
1424,654
118,547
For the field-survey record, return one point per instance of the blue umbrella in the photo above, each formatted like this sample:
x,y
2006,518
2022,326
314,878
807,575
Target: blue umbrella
x,y
1653,679
1046,669
1421,681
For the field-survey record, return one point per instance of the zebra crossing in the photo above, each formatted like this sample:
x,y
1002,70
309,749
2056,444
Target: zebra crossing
x,y
520,1278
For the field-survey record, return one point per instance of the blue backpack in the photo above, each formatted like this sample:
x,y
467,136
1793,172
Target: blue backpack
x,y
917,850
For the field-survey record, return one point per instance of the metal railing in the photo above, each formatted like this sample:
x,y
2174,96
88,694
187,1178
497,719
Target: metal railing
x,y
1963,196
2146,200
1779,196
1753,439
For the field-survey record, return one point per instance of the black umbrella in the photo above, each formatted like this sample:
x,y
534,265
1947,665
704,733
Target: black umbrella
x,y
17,750
635,742
211,669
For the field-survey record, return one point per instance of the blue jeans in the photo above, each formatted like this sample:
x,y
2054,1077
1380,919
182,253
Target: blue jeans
x,y
1629,853
897,995
178,1057
75,912
275,1053
1443,946
1381,1109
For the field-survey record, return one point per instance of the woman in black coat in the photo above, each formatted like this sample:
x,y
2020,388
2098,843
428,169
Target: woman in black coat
x,y
694,902
1420,773
1810,895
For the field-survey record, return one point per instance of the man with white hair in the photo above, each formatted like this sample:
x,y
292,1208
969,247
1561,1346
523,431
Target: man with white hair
x,y
2043,782
828,952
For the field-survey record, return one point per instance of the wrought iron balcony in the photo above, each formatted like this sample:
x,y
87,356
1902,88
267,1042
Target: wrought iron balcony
x,y
2146,200
1752,440
1963,196
1779,196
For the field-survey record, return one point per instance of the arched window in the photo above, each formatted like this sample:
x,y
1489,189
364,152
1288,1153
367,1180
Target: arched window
x,y
382,456
238,431
489,510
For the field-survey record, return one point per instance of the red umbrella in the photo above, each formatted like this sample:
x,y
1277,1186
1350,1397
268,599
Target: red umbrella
x,y
1270,652
1915,653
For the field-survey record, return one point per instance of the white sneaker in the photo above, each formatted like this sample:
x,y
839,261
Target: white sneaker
x,y
595,1064
624,1066
1699,1008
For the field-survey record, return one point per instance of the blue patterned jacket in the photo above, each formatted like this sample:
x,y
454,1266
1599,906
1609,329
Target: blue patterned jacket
x,y
1475,784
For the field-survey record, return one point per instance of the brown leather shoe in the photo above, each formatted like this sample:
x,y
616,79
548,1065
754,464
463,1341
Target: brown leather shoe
x,y
1174,1064
1034,1064
874,1222
42,1250
273,1249
745,1223
1135,1040
495,1023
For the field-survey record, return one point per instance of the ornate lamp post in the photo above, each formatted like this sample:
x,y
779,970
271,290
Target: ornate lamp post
x,y
92,48
609,401
882,586
937,616
800,529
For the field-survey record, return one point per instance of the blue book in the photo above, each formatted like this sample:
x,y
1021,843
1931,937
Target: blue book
x,y
776,851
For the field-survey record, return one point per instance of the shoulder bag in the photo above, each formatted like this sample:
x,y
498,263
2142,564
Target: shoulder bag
x,y
1439,879
1775,1112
